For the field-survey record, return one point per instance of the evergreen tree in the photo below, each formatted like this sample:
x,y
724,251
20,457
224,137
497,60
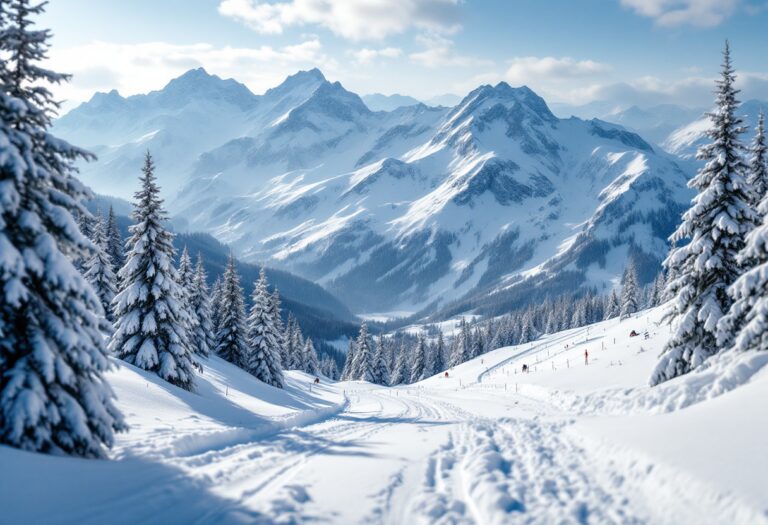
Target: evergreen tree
x,y
461,348
362,365
757,177
216,306
263,357
151,328
202,336
477,347
114,242
715,226
612,307
745,326
85,225
380,368
346,373
330,369
311,363
419,362
53,397
231,342
186,273
657,290
296,346
277,320
402,371
186,277
629,292
98,269
438,355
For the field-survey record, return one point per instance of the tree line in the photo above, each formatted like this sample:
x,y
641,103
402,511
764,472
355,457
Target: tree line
x,y
405,357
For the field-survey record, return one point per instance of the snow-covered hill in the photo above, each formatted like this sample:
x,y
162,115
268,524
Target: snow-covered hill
x,y
404,209
565,443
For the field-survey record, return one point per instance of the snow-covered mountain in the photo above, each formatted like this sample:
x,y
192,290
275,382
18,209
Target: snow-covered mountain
x,y
654,123
401,209
380,102
686,139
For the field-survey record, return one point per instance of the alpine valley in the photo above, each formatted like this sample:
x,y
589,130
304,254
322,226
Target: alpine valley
x,y
480,206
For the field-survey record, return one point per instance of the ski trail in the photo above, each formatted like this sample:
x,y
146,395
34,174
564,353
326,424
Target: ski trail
x,y
518,471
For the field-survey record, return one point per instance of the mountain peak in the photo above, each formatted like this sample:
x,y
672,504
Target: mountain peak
x,y
505,94
100,97
198,83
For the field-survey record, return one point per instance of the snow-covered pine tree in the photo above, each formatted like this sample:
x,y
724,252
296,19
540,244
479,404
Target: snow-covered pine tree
x,y
715,225
186,277
53,397
461,346
263,358
477,345
362,364
98,269
114,242
346,372
332,370
311,363
231,342
629,292
151,329
202,336
419,362
612,306
296,346
745,326
85,222
757,177
528,331
288,350
438,355
329,368
402,371
579,315
657,290
380,368
85,225
277,319
186,272
216,306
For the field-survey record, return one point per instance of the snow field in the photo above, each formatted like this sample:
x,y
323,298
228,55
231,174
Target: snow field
x,y
577,444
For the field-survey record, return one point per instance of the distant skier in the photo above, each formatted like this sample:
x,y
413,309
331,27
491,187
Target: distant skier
x,y
446,374
586,357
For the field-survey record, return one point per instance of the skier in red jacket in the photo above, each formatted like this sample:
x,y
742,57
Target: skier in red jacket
x,y
586,357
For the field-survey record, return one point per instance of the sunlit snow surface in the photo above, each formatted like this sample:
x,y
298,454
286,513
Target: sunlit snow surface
x,y
566,443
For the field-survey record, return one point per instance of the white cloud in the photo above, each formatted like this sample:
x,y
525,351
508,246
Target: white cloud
x,y
523,69
366,56
693,91
138,68
702,13
352,19
439,52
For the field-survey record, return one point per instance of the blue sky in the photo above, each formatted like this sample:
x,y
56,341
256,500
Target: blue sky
x,y
573,51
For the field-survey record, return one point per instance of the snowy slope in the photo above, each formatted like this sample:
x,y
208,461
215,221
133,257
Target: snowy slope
x,y
566,443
